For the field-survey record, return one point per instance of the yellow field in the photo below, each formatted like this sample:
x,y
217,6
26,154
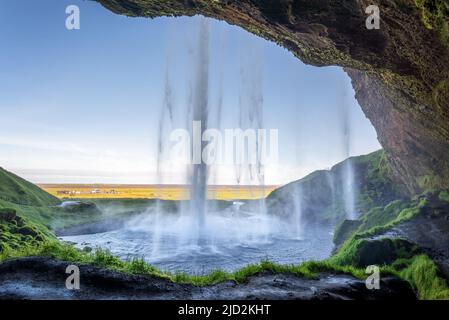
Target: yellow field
x,y
166,192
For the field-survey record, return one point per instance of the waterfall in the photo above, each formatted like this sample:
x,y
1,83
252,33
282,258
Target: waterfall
x,y
219,99
165,121
199,224
198,183
348,191
348,170
331,182
251,101
298,212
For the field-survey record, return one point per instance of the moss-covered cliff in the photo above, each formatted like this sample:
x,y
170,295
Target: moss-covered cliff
x,y
321,193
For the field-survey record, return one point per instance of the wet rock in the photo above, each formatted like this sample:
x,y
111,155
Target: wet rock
x,y
383,251
87,249
80,207
43,278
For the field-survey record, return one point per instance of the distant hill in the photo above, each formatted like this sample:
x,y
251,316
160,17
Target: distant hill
x,y
321,192
16,190
24,204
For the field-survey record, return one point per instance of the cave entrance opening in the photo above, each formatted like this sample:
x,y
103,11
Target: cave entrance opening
x,y
226,79
136,82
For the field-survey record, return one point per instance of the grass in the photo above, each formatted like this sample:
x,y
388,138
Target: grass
x,y
29,201
419,271
48,219
379,184
404,215
410,265
15,231
19,191
165,192
379,219
444,196
422,273
25,230
375,222
379,216
104,259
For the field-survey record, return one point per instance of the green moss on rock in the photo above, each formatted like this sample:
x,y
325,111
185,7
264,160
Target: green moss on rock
x,y
444,196
435,16
345,230
422,273
383,251
17,232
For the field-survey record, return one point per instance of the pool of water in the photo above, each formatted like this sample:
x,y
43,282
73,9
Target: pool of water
x,y
227,242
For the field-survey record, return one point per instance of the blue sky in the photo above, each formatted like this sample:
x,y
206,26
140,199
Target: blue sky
x,y
83,106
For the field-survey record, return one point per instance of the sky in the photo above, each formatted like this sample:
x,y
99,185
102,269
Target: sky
x,y
83,106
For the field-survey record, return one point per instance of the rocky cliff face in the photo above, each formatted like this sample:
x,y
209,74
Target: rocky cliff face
x,y
400,72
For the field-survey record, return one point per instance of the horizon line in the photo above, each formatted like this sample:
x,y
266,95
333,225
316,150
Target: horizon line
x,y
154,184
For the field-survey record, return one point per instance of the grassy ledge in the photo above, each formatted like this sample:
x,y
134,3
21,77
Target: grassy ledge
x,y
423,275
420,271
408,262
104,259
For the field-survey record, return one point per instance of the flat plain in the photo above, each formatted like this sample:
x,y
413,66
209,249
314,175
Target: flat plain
x,y
166,192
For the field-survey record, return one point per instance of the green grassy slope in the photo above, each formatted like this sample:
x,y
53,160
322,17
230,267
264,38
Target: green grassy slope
x,y
32,205
16,190
17,232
